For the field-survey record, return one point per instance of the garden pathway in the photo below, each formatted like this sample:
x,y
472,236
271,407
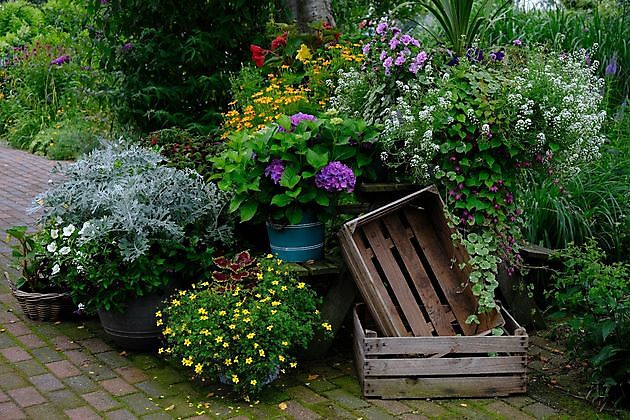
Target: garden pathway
x,y
69,370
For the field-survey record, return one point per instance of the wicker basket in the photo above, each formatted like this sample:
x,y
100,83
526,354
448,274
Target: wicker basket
x,y
41,306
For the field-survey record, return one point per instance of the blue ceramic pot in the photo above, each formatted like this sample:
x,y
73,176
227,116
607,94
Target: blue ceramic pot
x,y
297,243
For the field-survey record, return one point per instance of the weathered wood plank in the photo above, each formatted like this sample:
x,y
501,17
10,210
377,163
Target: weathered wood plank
x,y
430,345
374,293
396,280
440,319
445,367
444,387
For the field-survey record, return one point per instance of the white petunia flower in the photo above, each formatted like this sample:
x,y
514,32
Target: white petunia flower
x,y
64,251
54,233
52,247
55,269
69,230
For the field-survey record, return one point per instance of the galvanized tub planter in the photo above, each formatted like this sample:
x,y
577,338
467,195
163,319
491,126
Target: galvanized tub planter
x,y
434,367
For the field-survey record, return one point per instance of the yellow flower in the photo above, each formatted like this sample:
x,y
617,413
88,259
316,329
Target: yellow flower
x,y
293,364
222,313
187,361
269,256
187,342
160,350
204,332
304,54
246,320
251,335
285,343
202,311
281,358
256,345
231,326
226,345
283,288
192,296
259,276
219,339
269,327
176,302
203,317
253,382
158,314
182,292
245,312
248,361
198,368
273,312
275,282
275,303
228,362
261,352
158,322
168,350
301,285
279,261
327,326
167,331
235,379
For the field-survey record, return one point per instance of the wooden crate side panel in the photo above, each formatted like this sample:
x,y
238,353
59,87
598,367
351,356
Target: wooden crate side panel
x,y
445,366
431,345
396,280
374,293
440,318
444,387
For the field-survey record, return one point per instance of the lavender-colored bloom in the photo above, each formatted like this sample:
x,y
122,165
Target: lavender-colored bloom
x,y
406,39
518,42
394,42
335,177
383,55
275,170
366,48
418,61
381,28
587,58
296,119
63,59
415,42
400,60
387,63
475,55
611,68
127,47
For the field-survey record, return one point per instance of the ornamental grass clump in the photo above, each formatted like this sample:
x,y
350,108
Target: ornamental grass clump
x,y
242,327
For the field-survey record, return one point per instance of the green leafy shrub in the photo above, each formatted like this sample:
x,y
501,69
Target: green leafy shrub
x,y
594,302
20,22
244,326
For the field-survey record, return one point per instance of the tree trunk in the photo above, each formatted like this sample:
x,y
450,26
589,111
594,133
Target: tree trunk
x,y
306,12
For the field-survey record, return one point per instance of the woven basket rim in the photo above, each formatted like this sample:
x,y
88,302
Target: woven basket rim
x,y
32,295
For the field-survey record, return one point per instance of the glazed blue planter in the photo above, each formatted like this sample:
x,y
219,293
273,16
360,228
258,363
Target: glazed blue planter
x,y
297,243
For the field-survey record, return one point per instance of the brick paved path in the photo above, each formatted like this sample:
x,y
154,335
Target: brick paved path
x,y
69,370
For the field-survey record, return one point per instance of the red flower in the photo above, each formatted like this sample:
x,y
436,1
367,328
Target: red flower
x,y
258,55
280,41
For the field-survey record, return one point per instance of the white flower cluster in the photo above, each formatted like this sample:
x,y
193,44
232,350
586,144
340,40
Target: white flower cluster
x,y
64,244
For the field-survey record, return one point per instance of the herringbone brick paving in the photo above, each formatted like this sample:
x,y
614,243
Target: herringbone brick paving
x,y
70,370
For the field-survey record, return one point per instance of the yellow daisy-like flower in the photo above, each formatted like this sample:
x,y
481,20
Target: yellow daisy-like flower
x,y
246,319
259,276
285,343
187,361
158,322
258,296
182,292
248,361
198,368
228,362
275,282
293,364
192,296
301,285
273,312
275,303
219,339
204,332
269,256
167,331
176,302
235,379
261,353
160,350
238,305
226,345
203,317
281,358
269,327
256,345
158,314
251,335
284,288
168,350
253,382
270,269
202,311
222,313
245,312
327,326
231,326
279,261
187,342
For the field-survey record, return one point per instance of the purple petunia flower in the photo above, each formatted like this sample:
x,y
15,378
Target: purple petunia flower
x,y
127,47
275,170
400,60
63,59
394,42
383,55
335,177
497,56
381,28
366,48
406,39
611,68
518,42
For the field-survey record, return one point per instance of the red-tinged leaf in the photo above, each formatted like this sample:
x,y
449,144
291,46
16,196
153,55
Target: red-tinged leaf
x,y
221,262
220,277
244,258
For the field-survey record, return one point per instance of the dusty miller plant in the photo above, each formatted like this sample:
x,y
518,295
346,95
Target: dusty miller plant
x,y
129,198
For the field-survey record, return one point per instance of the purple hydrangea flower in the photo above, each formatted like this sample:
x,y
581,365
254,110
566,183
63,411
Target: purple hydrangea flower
x,y
335,177
63,59
296,119
381,28
275,170
611,68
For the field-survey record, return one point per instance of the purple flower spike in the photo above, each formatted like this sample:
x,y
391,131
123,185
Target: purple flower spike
x,y
275,170
60,60
335,177
611,68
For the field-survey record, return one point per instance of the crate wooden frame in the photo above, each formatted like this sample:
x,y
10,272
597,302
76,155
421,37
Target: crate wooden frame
x,y
406,267
440,367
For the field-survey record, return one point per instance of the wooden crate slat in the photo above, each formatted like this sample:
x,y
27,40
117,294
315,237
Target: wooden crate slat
x,y
440,318
459,344
444,366
460,299
368,282
396,280
444,387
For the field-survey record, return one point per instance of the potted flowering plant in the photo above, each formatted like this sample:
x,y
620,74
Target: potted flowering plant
x,y
291,175
242,327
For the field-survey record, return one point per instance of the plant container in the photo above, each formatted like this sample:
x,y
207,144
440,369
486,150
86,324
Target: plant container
x,y
297,243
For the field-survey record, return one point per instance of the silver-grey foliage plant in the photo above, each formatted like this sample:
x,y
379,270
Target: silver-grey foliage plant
x,y
123,194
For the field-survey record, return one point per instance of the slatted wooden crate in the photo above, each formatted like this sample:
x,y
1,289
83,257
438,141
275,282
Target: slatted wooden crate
x,y
434,367
406,267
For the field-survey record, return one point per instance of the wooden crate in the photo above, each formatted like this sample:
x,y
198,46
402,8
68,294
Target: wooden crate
x,y
434,367
406,267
